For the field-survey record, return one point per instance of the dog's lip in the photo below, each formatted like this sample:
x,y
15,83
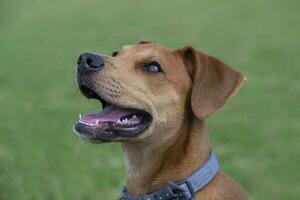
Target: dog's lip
x,y
91,94
109,131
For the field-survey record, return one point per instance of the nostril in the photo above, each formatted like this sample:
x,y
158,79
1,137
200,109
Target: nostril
x,y
94,61
89,62
79,60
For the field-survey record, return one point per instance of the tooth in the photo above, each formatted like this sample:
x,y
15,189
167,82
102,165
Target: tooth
x,y
135,119
97,121
119,121
80,116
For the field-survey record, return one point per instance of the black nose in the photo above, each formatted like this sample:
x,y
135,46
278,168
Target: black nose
x,y
90,60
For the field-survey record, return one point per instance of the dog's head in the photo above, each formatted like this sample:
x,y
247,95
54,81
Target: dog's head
x,y
147,90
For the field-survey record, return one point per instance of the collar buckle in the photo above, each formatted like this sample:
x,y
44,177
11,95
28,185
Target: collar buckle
x,y
183,190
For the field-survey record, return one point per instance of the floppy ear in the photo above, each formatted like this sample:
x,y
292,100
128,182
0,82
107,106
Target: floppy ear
x,y
143,41
214,82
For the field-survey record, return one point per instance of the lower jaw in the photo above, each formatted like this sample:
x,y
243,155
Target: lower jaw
x,y
94,135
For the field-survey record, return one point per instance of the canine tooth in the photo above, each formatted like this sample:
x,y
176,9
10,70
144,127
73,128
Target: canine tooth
x,y
97,121
135,118
80,116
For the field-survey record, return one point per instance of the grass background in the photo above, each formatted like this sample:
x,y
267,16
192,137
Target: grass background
x,y
256,135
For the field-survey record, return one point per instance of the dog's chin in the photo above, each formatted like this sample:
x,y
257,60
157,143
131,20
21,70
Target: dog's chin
x,y
113,123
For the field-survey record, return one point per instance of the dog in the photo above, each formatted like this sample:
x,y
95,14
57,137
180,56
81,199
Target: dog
x,y
155,102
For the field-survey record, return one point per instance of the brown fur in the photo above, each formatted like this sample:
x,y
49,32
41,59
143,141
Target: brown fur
x,y
193,86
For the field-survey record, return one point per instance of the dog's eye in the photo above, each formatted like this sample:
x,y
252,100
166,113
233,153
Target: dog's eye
x,y
114,54
153,67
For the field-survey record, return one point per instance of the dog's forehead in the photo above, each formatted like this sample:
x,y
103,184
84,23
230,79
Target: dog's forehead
x,y
145,50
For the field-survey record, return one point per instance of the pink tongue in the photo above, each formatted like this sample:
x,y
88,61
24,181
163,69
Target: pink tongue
x,y
108,114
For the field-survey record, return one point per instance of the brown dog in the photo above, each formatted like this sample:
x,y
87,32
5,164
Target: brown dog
x,y
155,102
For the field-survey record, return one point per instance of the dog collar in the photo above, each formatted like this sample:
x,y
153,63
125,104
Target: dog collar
x,y
184,189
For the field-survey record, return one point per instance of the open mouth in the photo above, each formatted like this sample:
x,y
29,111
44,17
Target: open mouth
x,y
113,122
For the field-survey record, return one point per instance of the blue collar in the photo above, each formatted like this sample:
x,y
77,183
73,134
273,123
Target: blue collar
x,y
184,189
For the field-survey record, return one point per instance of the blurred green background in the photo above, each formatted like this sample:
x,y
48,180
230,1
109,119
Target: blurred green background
x,y
256,135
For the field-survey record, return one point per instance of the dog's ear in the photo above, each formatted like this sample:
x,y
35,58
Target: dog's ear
x,y
144,41
214,82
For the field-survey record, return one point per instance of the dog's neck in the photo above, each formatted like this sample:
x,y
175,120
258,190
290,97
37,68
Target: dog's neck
x,y
150,167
